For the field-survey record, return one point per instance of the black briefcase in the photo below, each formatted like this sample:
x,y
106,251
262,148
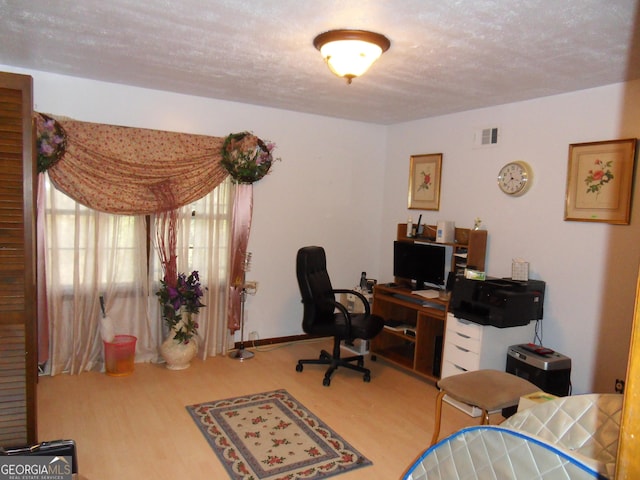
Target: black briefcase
x,y
60,448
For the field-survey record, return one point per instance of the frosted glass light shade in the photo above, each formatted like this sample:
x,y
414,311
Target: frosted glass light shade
x,y
350,53
350,58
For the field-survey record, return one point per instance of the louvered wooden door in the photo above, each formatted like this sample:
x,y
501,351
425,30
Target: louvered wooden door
x,y
18,348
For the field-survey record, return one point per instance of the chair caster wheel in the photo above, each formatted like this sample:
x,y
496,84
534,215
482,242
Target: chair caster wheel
x,y
326,381
366,377
299,367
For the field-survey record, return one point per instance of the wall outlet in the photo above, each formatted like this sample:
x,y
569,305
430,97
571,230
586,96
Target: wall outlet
x,y
253,336
619,386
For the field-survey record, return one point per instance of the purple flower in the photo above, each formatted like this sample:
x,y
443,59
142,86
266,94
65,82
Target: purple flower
x,y
49,125
45,148
177,303
180,303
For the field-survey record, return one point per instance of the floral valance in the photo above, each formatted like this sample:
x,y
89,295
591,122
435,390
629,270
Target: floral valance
x,y
127,170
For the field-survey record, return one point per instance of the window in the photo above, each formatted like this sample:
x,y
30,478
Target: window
x,y
91,254
74,230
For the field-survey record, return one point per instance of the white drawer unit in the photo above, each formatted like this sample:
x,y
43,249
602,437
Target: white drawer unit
x,y
469,346
459,360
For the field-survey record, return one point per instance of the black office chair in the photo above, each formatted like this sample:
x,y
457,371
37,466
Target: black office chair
x,y
321,318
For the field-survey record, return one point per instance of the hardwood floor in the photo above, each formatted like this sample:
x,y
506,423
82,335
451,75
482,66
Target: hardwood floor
x,y
137,427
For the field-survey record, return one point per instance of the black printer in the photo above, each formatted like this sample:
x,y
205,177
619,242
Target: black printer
x,y
500,302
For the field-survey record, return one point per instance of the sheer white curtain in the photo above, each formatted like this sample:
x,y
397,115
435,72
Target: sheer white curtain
x,y
90,254
204,236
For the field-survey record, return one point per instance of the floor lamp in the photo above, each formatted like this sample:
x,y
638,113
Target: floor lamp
x,y
241,353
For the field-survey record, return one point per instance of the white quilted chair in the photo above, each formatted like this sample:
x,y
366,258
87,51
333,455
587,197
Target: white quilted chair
x,y
568,438
588,426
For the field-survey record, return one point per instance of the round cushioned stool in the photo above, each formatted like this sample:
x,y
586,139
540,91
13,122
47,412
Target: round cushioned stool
x,y
486,389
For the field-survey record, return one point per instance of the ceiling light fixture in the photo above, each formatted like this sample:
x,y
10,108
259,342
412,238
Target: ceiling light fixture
x,y
350,53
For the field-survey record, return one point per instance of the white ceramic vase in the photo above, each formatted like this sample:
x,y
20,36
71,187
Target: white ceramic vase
x,y
178,355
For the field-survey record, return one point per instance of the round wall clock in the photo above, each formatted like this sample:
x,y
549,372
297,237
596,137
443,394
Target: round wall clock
x,y
515,178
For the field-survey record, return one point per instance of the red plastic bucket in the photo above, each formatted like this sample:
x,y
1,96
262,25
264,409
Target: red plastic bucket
x,y
119,355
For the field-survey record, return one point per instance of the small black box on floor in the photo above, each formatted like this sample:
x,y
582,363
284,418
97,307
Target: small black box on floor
x,y
549,370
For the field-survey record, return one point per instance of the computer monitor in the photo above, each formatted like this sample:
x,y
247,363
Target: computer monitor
x,y
425,264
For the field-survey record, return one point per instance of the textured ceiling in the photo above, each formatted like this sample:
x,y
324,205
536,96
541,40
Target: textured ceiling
x,y
445,56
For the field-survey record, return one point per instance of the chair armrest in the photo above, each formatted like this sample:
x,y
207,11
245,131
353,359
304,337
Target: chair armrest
x,y
363,299
343,310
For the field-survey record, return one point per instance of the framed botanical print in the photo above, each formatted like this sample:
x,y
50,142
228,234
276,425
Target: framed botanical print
x,y
424,181
600,181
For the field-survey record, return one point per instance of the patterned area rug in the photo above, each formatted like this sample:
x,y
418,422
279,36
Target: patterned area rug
x,y
273,436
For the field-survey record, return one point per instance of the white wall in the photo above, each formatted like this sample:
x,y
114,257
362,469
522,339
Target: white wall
x,y
572,257
343,185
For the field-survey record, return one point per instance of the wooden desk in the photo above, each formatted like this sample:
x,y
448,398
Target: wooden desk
x,y
422,353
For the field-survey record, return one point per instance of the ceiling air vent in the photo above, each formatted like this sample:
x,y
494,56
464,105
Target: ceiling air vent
x,y
487,137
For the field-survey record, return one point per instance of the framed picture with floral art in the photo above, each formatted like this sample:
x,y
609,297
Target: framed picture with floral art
x,y
424,181
600,181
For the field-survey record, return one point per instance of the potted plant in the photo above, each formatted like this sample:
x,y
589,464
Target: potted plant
x,y
180,301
